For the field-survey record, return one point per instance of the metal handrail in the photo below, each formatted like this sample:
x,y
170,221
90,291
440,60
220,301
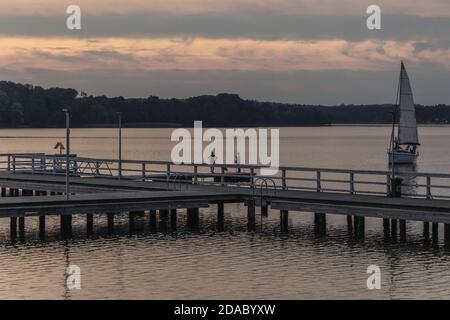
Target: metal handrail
x,y
39,163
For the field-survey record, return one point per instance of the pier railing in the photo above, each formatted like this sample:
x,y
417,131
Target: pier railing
x,y
373,182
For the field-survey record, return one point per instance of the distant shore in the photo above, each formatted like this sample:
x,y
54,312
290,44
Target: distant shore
x,y
173,126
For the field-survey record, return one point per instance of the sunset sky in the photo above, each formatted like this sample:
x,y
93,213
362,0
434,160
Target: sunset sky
x,y
300,51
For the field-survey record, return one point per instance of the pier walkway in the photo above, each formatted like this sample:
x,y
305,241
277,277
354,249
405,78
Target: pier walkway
x,y
34,185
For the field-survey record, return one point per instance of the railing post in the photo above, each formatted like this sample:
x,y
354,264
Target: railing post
x,y
32,165
352,183
97,168
75,167
388,184
252,181
43,165
143,170
283,179
222,176
9,163
428,187
168,172
318,184
195,174
14,164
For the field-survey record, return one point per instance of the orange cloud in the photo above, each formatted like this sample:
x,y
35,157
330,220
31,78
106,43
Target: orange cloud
x,y
211,54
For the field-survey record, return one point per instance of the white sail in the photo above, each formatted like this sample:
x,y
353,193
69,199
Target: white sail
x,y
407,128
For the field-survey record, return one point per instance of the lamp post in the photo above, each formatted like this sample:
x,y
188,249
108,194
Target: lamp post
x,y
119,115
67,152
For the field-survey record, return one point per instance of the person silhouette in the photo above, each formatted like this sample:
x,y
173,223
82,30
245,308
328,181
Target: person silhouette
x,y
237,161
212,160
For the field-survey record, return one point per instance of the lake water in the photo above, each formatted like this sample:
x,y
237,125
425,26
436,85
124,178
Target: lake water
x,y
235,264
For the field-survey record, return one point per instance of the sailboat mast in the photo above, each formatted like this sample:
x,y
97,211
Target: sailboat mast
x,y
397,103
394,112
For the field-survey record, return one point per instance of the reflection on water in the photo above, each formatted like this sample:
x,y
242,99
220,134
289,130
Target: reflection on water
x,y
410,180
164,263
204,263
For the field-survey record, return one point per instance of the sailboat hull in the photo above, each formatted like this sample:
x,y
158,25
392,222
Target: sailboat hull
x,y
402,157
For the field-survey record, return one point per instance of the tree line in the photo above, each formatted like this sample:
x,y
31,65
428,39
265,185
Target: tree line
x,y
24,105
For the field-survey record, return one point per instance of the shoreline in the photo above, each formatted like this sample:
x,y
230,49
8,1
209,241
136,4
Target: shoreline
x,y
228,127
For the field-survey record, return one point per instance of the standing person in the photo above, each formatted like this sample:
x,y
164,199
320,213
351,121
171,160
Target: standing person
x,y
237,160
212,160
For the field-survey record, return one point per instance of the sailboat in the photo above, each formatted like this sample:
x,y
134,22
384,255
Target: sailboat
x,y
403,148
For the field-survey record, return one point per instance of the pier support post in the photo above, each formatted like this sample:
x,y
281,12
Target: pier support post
x,y
193,217
163,215
140,213
66,224
173,219
394,228
426,230
362,227
251,216
13,227
131,219
163,219
435,229
3,192
402,224
152,219
349,222
12,192
358,226
265,210
447,235
386,228
110,218
435,232
284,220
220,216
21,227
320,223
42,226
89,223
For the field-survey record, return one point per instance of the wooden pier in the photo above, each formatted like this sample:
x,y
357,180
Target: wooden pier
x,y
32,185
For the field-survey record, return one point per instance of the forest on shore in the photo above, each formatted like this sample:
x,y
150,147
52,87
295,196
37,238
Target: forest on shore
x,y
28,106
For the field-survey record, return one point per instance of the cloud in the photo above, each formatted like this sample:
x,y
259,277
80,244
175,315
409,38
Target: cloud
x,y
431,8
257,25
261,49
216,54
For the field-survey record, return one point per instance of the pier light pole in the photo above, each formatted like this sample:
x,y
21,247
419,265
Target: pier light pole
x,y
119,115
67,152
